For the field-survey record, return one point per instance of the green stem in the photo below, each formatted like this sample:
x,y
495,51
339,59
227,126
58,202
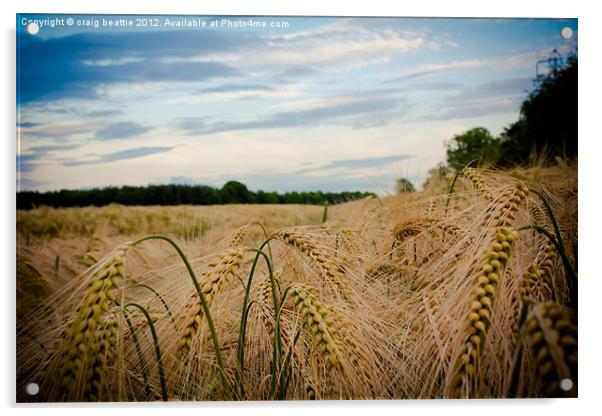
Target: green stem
x,y
157,348
546,203
287,360
277,357
267,237
283,367
451,190
243,320
160,298
218,351
140,355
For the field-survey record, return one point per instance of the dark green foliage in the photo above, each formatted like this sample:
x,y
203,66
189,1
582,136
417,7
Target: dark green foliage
x,y
548,120
404,185
231,193
234,192
475,146
267,197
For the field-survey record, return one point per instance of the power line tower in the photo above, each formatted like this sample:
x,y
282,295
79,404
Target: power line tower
x,y
548,66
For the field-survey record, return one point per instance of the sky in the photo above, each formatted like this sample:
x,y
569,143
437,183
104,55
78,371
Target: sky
x,y
280,103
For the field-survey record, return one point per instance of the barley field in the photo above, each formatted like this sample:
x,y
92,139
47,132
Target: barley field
x,y
467,289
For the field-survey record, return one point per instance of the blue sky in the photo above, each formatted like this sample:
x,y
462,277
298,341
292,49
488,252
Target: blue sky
x,y
326,104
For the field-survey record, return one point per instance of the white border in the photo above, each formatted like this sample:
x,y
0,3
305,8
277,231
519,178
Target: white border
x,y
462,8
590,22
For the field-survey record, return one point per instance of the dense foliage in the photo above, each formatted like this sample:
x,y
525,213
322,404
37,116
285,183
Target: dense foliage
x,y
476,144
404,185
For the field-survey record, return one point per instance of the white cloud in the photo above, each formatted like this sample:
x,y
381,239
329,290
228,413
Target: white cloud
x,y
329,101
516,61
443,67
285,91
110,62
57,130
334,46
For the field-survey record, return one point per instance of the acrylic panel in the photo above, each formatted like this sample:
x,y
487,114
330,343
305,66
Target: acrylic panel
x,y
224,208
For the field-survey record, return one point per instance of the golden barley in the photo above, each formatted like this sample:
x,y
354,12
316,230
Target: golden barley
x,y
551,331
465,379
317,254
477,181
89,338
222,271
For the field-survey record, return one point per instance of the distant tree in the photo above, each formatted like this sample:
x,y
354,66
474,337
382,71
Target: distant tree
x,y
436,174
476,145
234,192
403,185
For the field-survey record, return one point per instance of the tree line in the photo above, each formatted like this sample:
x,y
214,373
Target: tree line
x,y
232,192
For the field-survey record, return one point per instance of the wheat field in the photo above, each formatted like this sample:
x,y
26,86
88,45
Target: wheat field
x,y
467,289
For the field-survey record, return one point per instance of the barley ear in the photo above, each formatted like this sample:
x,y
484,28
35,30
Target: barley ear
x,y
465,381
551,332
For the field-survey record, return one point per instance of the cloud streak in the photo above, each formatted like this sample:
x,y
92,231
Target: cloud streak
x,y
121,130
29,160
27,124
438,68
497,97
496,89
59,131
232,92
502,63
137,152
368,162
343,44
24,163
360,112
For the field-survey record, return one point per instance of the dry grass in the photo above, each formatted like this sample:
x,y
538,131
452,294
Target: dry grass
x,y
424,295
